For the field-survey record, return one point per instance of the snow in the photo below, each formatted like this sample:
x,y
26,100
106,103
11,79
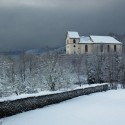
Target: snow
x,y
85,39
104,39
73,34
105,108
93,38
15,97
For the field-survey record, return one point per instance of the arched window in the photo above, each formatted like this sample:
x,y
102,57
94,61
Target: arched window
x,y
67,41
108,48
74,46
86,48
115,49
74,41
101,48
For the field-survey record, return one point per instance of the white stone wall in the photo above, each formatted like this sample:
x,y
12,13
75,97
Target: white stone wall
x,y
71,47
97,48
89,46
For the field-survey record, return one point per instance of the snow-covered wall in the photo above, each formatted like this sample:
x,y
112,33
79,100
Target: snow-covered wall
x,y
8,108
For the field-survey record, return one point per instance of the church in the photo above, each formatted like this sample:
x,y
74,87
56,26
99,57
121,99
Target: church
x,y
92,44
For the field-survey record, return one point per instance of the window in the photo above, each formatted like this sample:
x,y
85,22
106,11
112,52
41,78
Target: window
x,y
86,48
74,46
74,41
108,48
67,41
101,48
115,49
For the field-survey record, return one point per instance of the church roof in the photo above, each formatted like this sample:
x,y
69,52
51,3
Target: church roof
x,y
104,39
85,39
93,38
73,34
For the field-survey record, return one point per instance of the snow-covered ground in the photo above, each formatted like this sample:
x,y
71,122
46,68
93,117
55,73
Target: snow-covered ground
x,y
106,108
15,97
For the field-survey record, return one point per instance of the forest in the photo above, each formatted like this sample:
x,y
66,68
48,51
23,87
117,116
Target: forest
x,y
29,73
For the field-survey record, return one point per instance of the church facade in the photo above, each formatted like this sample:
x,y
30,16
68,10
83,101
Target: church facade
x,y
76,44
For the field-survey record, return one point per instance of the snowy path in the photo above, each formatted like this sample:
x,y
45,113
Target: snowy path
x,y
106,108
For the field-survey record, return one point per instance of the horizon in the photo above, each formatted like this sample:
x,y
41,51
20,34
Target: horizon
x,y
51,48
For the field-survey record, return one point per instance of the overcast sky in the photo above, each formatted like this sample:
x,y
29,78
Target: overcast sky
x,y
26,24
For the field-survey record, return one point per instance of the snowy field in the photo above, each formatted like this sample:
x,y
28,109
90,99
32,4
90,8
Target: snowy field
x,y
106,108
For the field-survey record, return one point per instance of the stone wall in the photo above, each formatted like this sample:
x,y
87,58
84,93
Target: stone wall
x,y
9,108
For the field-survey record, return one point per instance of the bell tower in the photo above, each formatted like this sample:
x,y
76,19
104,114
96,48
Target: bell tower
x,y
72,40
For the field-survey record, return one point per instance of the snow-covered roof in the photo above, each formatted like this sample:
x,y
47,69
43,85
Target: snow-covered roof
x,y
85,39
73,34
93,38
104,39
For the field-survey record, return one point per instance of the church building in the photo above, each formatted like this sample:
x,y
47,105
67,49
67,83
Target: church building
x,y
76,44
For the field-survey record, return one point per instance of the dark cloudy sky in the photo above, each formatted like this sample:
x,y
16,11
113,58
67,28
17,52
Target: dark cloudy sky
x,y
28,24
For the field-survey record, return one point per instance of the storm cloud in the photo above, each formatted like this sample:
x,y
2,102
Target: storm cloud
x,y
29,24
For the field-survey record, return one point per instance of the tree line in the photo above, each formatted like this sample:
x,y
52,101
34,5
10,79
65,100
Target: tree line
x,y
29,73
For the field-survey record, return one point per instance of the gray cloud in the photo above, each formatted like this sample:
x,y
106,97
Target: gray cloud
x,y
39,23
